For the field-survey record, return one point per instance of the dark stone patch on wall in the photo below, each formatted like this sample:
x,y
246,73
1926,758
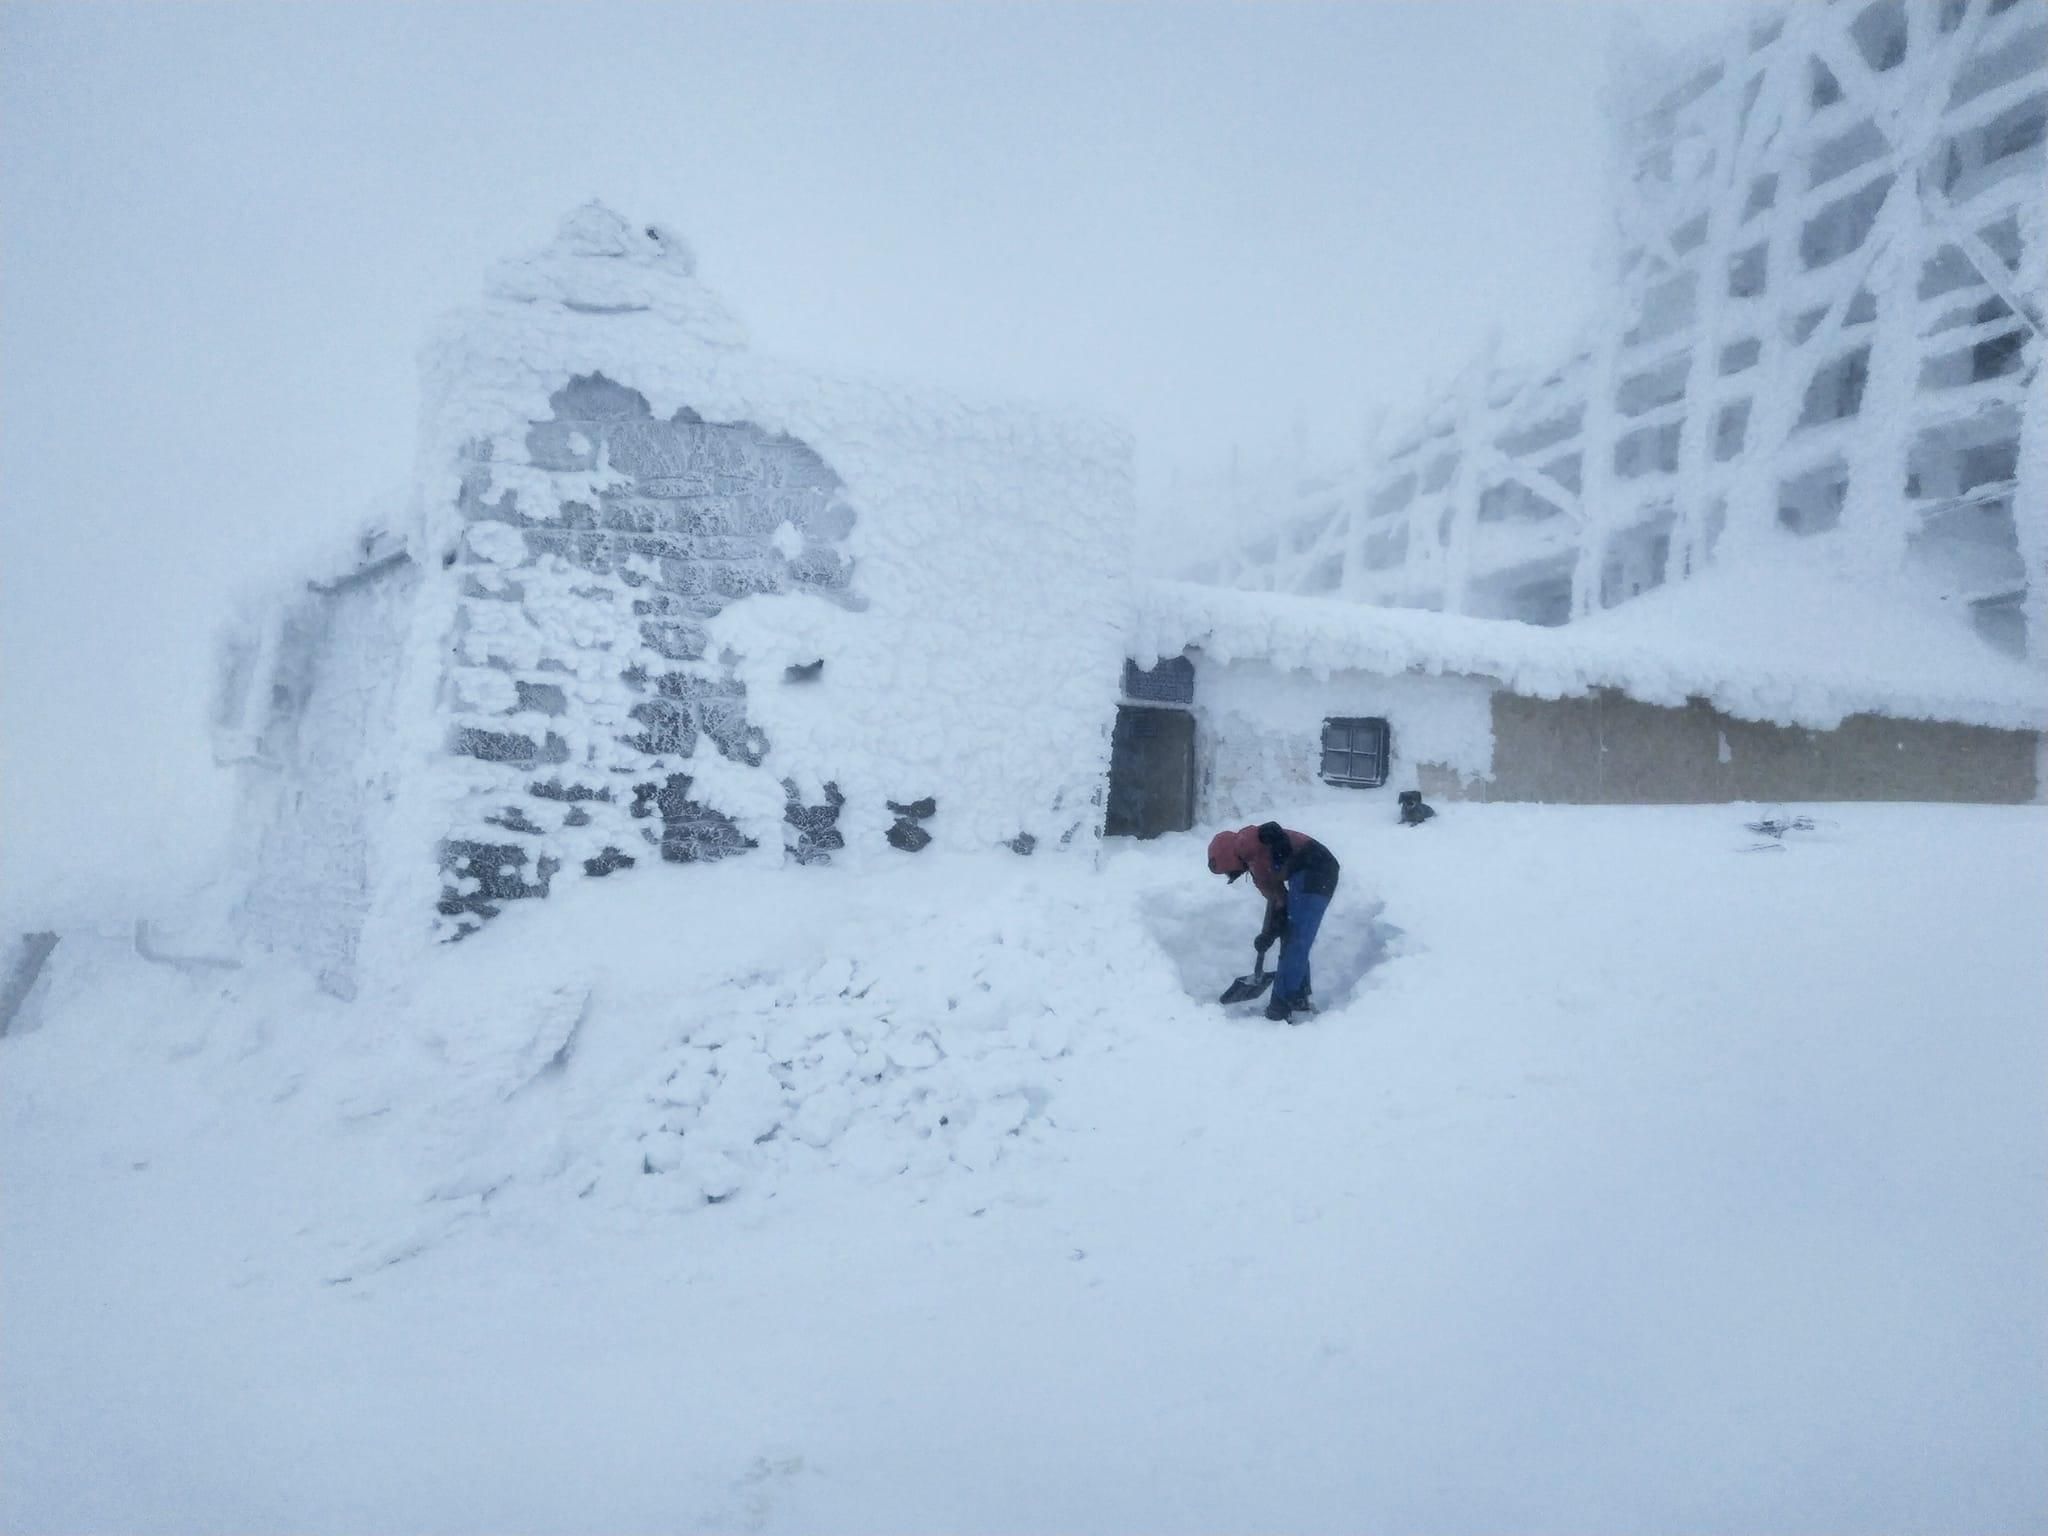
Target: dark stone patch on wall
x,y
1023,842
669,733
803,672
675,641
906,833
817,826
555,789
493,872
699,515
593,397
510,747
542,698
607,861
690,832
737,739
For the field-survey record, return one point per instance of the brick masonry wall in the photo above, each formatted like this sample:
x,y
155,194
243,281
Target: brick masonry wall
x,y
585,701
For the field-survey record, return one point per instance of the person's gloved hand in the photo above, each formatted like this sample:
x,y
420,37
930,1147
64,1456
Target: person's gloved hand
x,y
1263,942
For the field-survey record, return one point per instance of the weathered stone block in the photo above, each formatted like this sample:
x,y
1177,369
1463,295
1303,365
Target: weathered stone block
x,y
686,686
510,747
908,836
634,514
493,873
647,448
820,567
906,833
678,486
607,861
725,722
682,575
745,578
497,746
513,819
690,832
555,789
701,519
677,642
669,730
562,446
817,826
542,698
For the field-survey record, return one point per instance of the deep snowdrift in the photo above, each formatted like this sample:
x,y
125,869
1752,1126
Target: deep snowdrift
x,y
1630,1181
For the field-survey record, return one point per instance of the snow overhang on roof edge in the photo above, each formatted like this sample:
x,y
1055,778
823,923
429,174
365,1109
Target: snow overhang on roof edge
x,y
1322,636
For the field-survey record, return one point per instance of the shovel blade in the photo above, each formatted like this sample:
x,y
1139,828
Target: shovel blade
x,y
1245,988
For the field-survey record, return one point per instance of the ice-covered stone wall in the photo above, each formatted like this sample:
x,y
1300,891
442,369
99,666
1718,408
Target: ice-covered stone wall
x,y
669,602
584,683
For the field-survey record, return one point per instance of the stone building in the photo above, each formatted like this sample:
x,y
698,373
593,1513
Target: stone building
x,y
660,600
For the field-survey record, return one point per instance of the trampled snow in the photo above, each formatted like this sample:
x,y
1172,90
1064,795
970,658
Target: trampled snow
x,y
1640,1173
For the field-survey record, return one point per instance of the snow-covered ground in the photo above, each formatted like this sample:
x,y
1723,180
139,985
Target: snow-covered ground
x,y
1629,1181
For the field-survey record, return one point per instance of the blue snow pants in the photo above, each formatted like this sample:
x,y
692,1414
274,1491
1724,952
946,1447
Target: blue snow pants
x,y
1304,917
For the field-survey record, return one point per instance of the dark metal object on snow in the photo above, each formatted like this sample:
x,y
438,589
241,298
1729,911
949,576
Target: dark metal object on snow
x,y
1245,988
31,953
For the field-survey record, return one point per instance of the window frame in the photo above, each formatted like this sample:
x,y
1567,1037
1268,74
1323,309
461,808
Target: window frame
x,y
1353,731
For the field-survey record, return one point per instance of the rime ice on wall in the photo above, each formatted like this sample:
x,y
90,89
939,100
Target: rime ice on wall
x,y
584,682
303,711
673,603
1830,296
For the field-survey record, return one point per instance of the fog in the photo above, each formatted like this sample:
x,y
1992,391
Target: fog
x,y
225,229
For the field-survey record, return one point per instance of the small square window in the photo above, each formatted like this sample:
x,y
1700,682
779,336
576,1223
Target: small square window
x,y
1355,752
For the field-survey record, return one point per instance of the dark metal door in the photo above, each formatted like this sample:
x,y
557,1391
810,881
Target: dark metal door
x,y
1151,772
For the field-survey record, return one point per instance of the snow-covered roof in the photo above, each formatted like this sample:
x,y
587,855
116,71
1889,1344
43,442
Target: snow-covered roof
x,y
1792,643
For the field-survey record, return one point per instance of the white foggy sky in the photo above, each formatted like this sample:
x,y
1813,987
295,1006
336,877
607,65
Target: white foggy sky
x,y
225,229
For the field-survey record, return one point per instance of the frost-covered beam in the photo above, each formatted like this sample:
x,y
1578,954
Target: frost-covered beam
x,y
2030,482
1698,427
1461,496
1997,276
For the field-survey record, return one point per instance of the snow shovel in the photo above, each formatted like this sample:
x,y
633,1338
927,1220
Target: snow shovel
x,y
1245,988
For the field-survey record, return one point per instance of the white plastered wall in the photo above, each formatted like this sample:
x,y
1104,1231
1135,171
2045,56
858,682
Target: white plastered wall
x,y
1258,731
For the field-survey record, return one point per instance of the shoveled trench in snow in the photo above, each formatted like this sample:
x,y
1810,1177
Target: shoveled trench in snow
x,y
1206,929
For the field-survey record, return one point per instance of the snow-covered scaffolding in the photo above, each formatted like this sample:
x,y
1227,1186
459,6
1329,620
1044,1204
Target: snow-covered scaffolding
x,y
1827,322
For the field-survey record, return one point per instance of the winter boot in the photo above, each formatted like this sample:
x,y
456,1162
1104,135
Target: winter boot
x,y
1278,1009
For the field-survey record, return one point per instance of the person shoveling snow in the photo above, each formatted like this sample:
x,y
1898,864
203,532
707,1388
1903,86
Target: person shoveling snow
x,y
1297,875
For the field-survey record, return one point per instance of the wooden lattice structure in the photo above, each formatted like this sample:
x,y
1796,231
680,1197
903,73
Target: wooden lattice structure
x,y
1828,318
